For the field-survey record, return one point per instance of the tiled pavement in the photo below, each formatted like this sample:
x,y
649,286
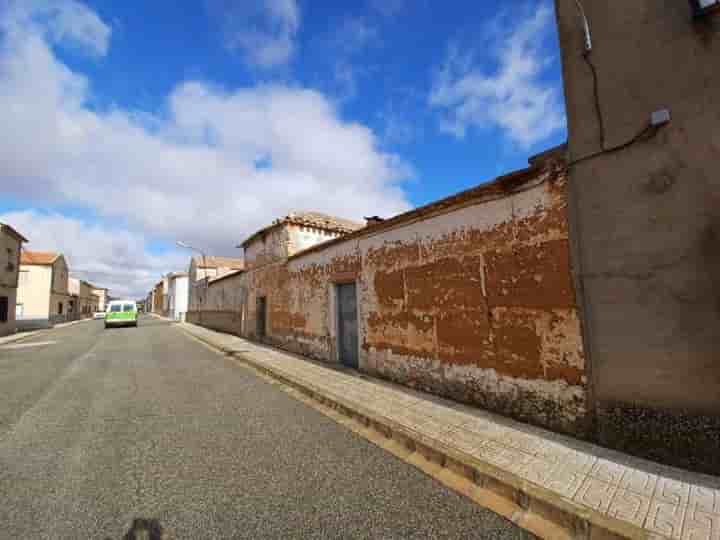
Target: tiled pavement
x,y
633,498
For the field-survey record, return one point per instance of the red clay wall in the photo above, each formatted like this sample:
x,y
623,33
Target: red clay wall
x,y
473,301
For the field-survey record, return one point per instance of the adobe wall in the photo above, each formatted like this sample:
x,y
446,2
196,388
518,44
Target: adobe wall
x,y
474,302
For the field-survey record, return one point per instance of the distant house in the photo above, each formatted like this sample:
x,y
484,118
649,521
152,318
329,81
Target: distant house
x,y
43,297
293,233
203,269
102,297
10,246
83,303
177,295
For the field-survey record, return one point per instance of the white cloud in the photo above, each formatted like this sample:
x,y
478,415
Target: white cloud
x,y
106,257
215,166
60,21
264,30
513,97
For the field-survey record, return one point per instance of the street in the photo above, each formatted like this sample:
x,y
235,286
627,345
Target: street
x,y
101,427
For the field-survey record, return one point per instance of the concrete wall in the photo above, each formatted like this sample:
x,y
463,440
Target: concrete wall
x,y
34,291
473,301
646,221
303,237
272,246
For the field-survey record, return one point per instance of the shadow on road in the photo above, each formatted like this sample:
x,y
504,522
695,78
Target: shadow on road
x,y
145,529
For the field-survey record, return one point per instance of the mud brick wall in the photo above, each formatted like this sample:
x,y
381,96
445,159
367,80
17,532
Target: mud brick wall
x,y
473,301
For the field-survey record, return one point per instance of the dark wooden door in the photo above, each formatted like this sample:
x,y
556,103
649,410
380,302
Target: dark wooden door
x,y
347,325
261,316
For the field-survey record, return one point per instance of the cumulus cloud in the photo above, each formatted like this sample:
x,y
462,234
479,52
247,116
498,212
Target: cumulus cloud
x,y
515,97
264,30
60,21
214,166
106,257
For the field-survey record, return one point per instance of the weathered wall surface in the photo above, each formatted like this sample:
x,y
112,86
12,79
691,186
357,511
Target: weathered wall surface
x,y
647,224
473,302
9,268
34,291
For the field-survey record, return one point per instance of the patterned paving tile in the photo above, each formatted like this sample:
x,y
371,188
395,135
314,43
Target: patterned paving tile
x,y
596,494
629,506
608,471
666,518
565,481
701,525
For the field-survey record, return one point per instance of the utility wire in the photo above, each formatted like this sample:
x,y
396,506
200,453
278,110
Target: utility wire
x,y
648,130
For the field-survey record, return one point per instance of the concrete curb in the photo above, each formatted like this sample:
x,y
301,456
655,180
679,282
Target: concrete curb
x,y
531,507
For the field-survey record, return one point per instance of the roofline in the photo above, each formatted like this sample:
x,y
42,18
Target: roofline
x,y
8,229
503,186
57,256
224,276
291,220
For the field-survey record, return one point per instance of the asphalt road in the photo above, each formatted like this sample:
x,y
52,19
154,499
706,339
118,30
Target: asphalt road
x,y
101,427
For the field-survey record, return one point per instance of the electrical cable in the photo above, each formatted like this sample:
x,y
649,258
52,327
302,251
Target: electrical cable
x,y
649,129
596,96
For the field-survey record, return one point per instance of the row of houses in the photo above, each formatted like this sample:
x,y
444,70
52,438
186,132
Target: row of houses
x,y
172,296
580,294
36,289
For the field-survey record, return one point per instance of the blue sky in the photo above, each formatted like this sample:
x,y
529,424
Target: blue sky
x,y
138,123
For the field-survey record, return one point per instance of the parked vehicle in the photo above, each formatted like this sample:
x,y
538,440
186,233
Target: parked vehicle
x,y
121,313
99,315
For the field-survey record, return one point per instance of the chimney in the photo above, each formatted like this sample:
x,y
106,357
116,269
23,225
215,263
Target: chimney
x,y
373,220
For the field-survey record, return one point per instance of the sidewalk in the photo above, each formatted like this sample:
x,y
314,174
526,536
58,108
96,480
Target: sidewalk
x,y
552,485
26,335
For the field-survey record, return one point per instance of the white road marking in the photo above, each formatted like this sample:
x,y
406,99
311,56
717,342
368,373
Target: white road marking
x,y
25,345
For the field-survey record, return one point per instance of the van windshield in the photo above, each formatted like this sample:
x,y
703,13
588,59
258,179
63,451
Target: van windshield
x,y
128,307
115,308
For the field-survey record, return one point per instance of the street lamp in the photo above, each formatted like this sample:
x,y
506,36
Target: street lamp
x,y
201,252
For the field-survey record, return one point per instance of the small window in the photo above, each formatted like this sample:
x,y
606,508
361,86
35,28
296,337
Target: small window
x,y
3,309
128,307
60,308
115,308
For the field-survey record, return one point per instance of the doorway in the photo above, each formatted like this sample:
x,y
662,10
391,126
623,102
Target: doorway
x,y
347,325
260,317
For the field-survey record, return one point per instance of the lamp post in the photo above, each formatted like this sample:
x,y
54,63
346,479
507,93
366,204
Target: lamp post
x,y
201,252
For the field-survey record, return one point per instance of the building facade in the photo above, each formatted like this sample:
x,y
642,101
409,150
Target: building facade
x,y
202,270
645,221
43,297
470,298
10,247
102,298
177,295
83,303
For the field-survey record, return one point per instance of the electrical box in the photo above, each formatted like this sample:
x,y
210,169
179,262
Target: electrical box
x,y
658,118
704,7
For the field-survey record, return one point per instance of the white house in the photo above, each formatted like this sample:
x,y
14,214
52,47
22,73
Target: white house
x,y
177,295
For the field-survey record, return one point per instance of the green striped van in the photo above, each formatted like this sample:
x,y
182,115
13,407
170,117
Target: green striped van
x,y
121,313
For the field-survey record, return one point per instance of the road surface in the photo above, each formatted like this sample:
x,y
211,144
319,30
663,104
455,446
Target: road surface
x,y
100,427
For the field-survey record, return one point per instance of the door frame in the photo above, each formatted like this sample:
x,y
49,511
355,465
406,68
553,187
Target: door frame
x,y
337,281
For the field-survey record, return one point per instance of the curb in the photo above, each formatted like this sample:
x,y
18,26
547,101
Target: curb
x,y
531,507
32,333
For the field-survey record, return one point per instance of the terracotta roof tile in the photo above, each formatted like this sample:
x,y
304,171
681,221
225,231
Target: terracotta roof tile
x,y
38,257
